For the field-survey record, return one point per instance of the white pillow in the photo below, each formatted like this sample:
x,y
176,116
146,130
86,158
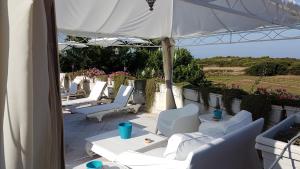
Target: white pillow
x,y
238,121
173,143
180,145
212,129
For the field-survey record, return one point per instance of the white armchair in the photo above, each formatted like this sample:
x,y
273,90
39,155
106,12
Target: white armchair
x,y
219,129
235,150
182,120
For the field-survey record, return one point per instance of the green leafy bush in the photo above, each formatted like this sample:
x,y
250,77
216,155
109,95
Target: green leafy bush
x,y
182,57
192,73
295,69
267,69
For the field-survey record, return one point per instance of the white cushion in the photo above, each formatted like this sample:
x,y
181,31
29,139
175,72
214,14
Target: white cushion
x,y
180,145
211,129
238,121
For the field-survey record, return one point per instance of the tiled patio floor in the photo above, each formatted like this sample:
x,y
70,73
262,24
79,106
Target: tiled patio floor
x,y
77,128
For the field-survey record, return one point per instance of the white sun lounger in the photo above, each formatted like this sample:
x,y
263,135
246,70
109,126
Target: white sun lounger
x,y
94,96
119,104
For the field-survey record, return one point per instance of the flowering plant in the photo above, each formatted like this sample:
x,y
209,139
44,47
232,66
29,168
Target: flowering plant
x,y
118,73
280,97
94,72
280,94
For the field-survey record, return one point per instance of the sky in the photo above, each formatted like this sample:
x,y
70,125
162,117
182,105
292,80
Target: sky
x,y
282,48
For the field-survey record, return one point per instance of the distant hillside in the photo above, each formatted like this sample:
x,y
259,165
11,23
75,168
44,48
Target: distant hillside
x,y
236,61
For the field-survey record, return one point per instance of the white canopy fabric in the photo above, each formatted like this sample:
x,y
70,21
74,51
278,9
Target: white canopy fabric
x,y
105,42
170,18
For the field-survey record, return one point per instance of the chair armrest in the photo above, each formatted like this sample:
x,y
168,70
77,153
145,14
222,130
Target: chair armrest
x,y
137,160
168,115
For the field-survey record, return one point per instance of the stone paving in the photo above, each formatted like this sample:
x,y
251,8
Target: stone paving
x,y
77,128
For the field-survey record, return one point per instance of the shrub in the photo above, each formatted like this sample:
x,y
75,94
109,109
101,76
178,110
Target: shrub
x,y
94,72
267,69
192,73
103,78
295,69
150,92
183,57
259,105
280,97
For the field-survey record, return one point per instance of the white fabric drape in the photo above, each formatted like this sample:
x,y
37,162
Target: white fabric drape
x,y
170,18
30,114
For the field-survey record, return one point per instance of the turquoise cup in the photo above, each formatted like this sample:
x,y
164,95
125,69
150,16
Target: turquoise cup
x,y
218,114
96,164
125,129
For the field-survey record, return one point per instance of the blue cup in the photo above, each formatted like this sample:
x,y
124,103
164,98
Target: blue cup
x,y
218,114
125,129
96,164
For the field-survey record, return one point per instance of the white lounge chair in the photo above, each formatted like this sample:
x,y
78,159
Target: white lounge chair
x,y
119,104
73,89
181,120
94,96
235,150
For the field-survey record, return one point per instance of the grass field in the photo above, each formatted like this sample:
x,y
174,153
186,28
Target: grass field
x,y
289,82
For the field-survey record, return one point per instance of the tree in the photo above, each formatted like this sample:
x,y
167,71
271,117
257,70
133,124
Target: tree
x,y
183,57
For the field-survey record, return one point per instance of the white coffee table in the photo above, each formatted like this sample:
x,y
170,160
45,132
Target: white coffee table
x,y
209,117
109,145
106,165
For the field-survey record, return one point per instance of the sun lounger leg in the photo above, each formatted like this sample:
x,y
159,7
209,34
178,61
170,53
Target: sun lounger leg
x,y
99,118
88,147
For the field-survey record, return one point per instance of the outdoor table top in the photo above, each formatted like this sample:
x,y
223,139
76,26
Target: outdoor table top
x,y
109,144
209,117
106,165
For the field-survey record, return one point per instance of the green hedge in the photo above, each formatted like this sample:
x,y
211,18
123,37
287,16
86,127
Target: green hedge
x,y
267,69
295,69
192,73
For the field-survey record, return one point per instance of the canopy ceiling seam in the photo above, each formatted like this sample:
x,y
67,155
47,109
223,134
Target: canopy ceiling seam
x,y
224,9
219,20
228,3
274,23
247,10
110,15
234,4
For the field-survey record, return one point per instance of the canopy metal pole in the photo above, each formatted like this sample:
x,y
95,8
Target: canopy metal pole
x,y
168,51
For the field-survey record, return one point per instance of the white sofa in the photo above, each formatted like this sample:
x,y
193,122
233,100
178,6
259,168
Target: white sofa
x,y
220,129
234,150
181,120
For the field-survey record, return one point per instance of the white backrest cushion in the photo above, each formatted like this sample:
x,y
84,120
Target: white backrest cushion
x,y
241,119
123,95
73,88
189,109
180,145
97,90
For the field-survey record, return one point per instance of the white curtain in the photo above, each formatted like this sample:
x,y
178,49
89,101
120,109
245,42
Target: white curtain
x,y
31,134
